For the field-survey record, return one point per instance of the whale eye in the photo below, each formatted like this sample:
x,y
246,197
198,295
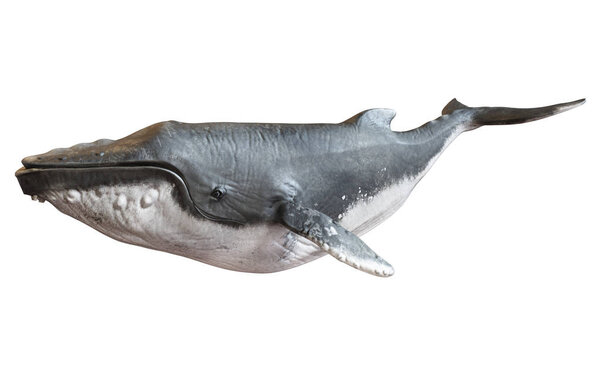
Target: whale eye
x,y
218,193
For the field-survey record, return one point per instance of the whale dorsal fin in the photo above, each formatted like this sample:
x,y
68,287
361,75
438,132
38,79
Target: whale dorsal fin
x,y
452,106
333,239
376,117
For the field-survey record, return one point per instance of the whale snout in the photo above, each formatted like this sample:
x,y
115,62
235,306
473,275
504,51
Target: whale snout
x,y
149,145
80,155
90,164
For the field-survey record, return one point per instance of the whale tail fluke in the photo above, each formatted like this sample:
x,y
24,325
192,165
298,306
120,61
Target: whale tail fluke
x,y
482,116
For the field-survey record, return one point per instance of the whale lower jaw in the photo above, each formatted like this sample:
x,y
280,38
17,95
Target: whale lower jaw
x,y
148,214
150,207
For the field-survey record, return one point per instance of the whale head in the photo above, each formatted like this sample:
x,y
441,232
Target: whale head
x,y
193,158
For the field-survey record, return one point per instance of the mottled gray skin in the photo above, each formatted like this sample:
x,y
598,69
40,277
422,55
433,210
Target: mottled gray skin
x,y
260,171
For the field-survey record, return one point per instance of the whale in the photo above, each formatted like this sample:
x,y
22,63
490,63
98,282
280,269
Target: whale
x,y
255,197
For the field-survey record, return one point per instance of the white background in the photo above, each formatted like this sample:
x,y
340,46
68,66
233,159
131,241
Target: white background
x,y
496,252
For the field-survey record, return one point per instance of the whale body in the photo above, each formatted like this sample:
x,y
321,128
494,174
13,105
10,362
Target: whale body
x,y
255,197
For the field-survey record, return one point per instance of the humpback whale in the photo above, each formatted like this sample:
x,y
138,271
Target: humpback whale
x,y
255,197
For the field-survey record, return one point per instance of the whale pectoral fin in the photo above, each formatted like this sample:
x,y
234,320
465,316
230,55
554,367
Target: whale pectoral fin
x,y
334,239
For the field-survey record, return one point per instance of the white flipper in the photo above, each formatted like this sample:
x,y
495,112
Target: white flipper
x,y
334,239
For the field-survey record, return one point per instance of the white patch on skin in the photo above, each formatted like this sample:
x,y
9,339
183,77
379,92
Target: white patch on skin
x,y
73,196
365,214
121,201
149,198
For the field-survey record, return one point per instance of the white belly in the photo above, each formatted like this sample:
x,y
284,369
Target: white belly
x,y
146,214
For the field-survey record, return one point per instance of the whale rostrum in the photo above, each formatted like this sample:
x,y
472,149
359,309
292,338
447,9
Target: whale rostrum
x,y
255,197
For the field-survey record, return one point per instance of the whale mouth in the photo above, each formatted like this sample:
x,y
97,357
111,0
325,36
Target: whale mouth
x,y
37,181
